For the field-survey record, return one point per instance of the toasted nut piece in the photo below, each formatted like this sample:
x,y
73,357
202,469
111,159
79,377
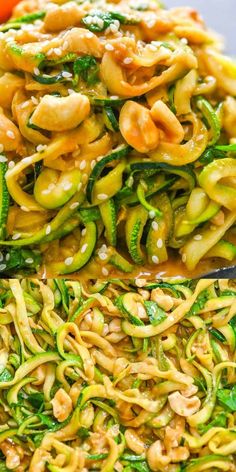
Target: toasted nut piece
x,y
62,405
9,134
163,116
61,113
157,461
134,442
184,406
138,128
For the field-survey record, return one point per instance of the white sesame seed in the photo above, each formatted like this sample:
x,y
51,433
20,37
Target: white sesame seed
x,y
66,75
36,71
100,23
65,45
89,20
128,60
8,256
2,267
29,260
105,272
102,256
67,185
159,243
152,214
57,51
84,231
11,164
197,237
34,100
184,40
68,261
24,104
93,163
26,160
155,225
82,164
48,230
109,47
114,97
3,158
1,148
24,208
155,259
74,205
16,236
102,196
114,28
84,248
79,187
41,147
184,258
89,35
46,191
10,134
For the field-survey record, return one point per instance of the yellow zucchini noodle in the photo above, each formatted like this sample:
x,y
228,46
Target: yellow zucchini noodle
x,y
117,141
118,376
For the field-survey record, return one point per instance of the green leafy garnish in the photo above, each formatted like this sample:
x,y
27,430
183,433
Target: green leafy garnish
x,y
36,400
199,303
98,21
86,68
220,420
83,433
210,154
155,314
227,398
6,376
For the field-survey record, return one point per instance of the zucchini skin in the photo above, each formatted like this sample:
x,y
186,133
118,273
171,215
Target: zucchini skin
x,y
136,220
4,200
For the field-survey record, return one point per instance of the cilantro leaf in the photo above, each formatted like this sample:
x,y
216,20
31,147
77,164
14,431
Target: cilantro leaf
x,y
227,398
5,376
220,420
87,68
155,314
210,154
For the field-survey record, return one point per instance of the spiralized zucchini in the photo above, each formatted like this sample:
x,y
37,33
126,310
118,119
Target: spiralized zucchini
x,y
117,141
117,376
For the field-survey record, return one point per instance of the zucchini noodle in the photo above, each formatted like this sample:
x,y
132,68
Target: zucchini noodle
x,y
117,141
118,376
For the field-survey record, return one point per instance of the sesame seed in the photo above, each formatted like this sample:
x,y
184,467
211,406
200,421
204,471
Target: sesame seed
x,y
11,164
100,23
79,187
184,257
184,40
197,237
65,45
1,148
84,248
10,134
8,256
84,231
105,272
29,260
102,256
109,47
152,214
114,28
46,191
36,71
3,158
57,51
66,74
2,267
74,205
68,261
128,60
26,160
41,147
16,236
25,104
114,97
89,35
48,230
67,185
159,243
155,225
34,100
24,208
102,196
155,259
93,163
82,164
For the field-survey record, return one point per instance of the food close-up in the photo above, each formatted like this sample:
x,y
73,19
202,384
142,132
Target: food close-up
x,y
117,136
117,377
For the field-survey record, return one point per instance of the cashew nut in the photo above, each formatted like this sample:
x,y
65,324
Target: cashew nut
x,y
10,136
138,128
62,405
166,119
156,460
184,406
61,113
